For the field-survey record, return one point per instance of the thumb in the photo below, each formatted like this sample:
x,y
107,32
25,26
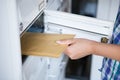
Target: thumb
x,y
66,41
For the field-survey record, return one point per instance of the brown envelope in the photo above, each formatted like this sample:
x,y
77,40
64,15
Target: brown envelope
x,y
42,44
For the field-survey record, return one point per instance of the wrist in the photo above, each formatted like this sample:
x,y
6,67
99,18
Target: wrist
x,y
94,46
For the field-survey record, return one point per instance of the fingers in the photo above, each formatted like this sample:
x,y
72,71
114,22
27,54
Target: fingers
x,y
67,41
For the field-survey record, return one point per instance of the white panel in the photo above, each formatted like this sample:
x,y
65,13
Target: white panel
x,y
107,9
113,10
103,9
54,67
96,64
10,54
35,68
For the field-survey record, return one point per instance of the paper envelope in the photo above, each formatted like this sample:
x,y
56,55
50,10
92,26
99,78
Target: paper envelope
x,y
43,44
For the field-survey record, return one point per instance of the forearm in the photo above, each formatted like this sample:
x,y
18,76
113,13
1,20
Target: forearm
x,y
80,47
107,50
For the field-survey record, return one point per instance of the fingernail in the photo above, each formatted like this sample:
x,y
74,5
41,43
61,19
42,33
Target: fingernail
x,y
59,42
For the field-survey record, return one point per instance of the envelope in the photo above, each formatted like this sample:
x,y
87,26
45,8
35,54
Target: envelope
x,y
43,44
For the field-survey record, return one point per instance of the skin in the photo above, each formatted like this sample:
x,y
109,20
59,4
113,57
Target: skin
x,y
79,47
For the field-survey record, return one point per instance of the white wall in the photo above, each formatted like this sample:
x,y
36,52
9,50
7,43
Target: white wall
x,y
10,56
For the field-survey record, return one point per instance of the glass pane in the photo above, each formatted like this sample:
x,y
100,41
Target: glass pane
x,y
85,7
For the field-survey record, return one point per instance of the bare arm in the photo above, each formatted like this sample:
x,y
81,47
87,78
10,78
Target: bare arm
x,y
78,48
108,50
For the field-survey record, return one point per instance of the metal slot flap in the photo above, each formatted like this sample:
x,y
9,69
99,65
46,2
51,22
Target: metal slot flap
x,y
79,22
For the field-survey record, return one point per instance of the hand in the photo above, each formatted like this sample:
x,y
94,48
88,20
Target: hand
x,y
78,47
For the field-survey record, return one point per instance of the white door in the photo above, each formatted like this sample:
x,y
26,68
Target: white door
x,y
82,27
